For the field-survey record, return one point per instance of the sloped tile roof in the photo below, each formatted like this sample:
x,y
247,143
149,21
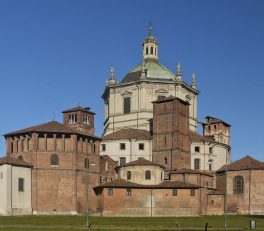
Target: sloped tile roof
x,y
50,127
245,163
199,138
121,183
214,120
190,171
79,108
129,133
141,162
13,161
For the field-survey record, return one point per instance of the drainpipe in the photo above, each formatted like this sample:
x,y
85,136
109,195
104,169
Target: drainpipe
x,y
249,194
11,190
130,140
138,104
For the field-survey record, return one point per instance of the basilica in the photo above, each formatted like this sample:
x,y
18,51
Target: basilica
x,y
150,161
128,124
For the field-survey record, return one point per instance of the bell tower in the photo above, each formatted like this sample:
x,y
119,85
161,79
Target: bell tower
x,y
150,46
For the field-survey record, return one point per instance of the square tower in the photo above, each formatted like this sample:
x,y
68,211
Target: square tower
x,y
171,143
80,118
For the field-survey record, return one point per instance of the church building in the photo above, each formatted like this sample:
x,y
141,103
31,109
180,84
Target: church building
x,y
129,112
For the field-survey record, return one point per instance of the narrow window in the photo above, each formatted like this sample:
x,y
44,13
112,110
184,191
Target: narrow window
x,y
141,146
20,184
210,150
196,163
86,163
147,51
161,176
128,175
174,192
165,160
128,192
210,166
197,149
103,146
127,102
215,127
192,192
86,119
110,192
106,166
151,50
238,185
54,160
122,146
165,140
148,175
122,160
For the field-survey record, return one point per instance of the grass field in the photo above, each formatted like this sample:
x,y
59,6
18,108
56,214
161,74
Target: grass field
x,y
75,223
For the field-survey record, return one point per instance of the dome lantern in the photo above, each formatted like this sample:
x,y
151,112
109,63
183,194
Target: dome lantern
x,y
150,46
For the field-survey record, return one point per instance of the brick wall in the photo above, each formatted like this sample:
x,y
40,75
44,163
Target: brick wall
x,y
151,202
170,134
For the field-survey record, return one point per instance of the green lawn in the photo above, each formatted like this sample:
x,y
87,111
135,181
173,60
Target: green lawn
x,y
59,223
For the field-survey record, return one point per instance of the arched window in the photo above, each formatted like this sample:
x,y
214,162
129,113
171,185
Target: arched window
x,y
54,160
151,50
148,175
238,185
20,157
147,51
128,175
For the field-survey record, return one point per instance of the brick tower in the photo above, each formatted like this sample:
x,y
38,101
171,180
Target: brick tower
x,y
171,143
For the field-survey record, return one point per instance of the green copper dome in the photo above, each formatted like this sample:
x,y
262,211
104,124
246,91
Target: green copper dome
x,y
154,71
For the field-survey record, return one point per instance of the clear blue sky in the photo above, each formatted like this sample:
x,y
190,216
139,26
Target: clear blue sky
x,y
56,54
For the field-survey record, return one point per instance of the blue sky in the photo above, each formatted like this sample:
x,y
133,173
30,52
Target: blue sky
x,y
56,54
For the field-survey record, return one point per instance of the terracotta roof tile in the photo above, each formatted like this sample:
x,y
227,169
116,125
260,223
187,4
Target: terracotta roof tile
x,y
190,171
199,138
50,127
121,183
79,108
245,163
141,162
214,120
129,134
13,161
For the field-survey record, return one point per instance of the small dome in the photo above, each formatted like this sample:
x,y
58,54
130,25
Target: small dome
x,y
154,71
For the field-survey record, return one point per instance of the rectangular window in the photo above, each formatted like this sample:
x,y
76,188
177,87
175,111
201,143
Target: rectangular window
x,y
141,146
122,160
160,97
127,107
174,192
192,192
122,146
165,160
20,184
128,192
86,163
110,192
103,146
197,149
196,163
